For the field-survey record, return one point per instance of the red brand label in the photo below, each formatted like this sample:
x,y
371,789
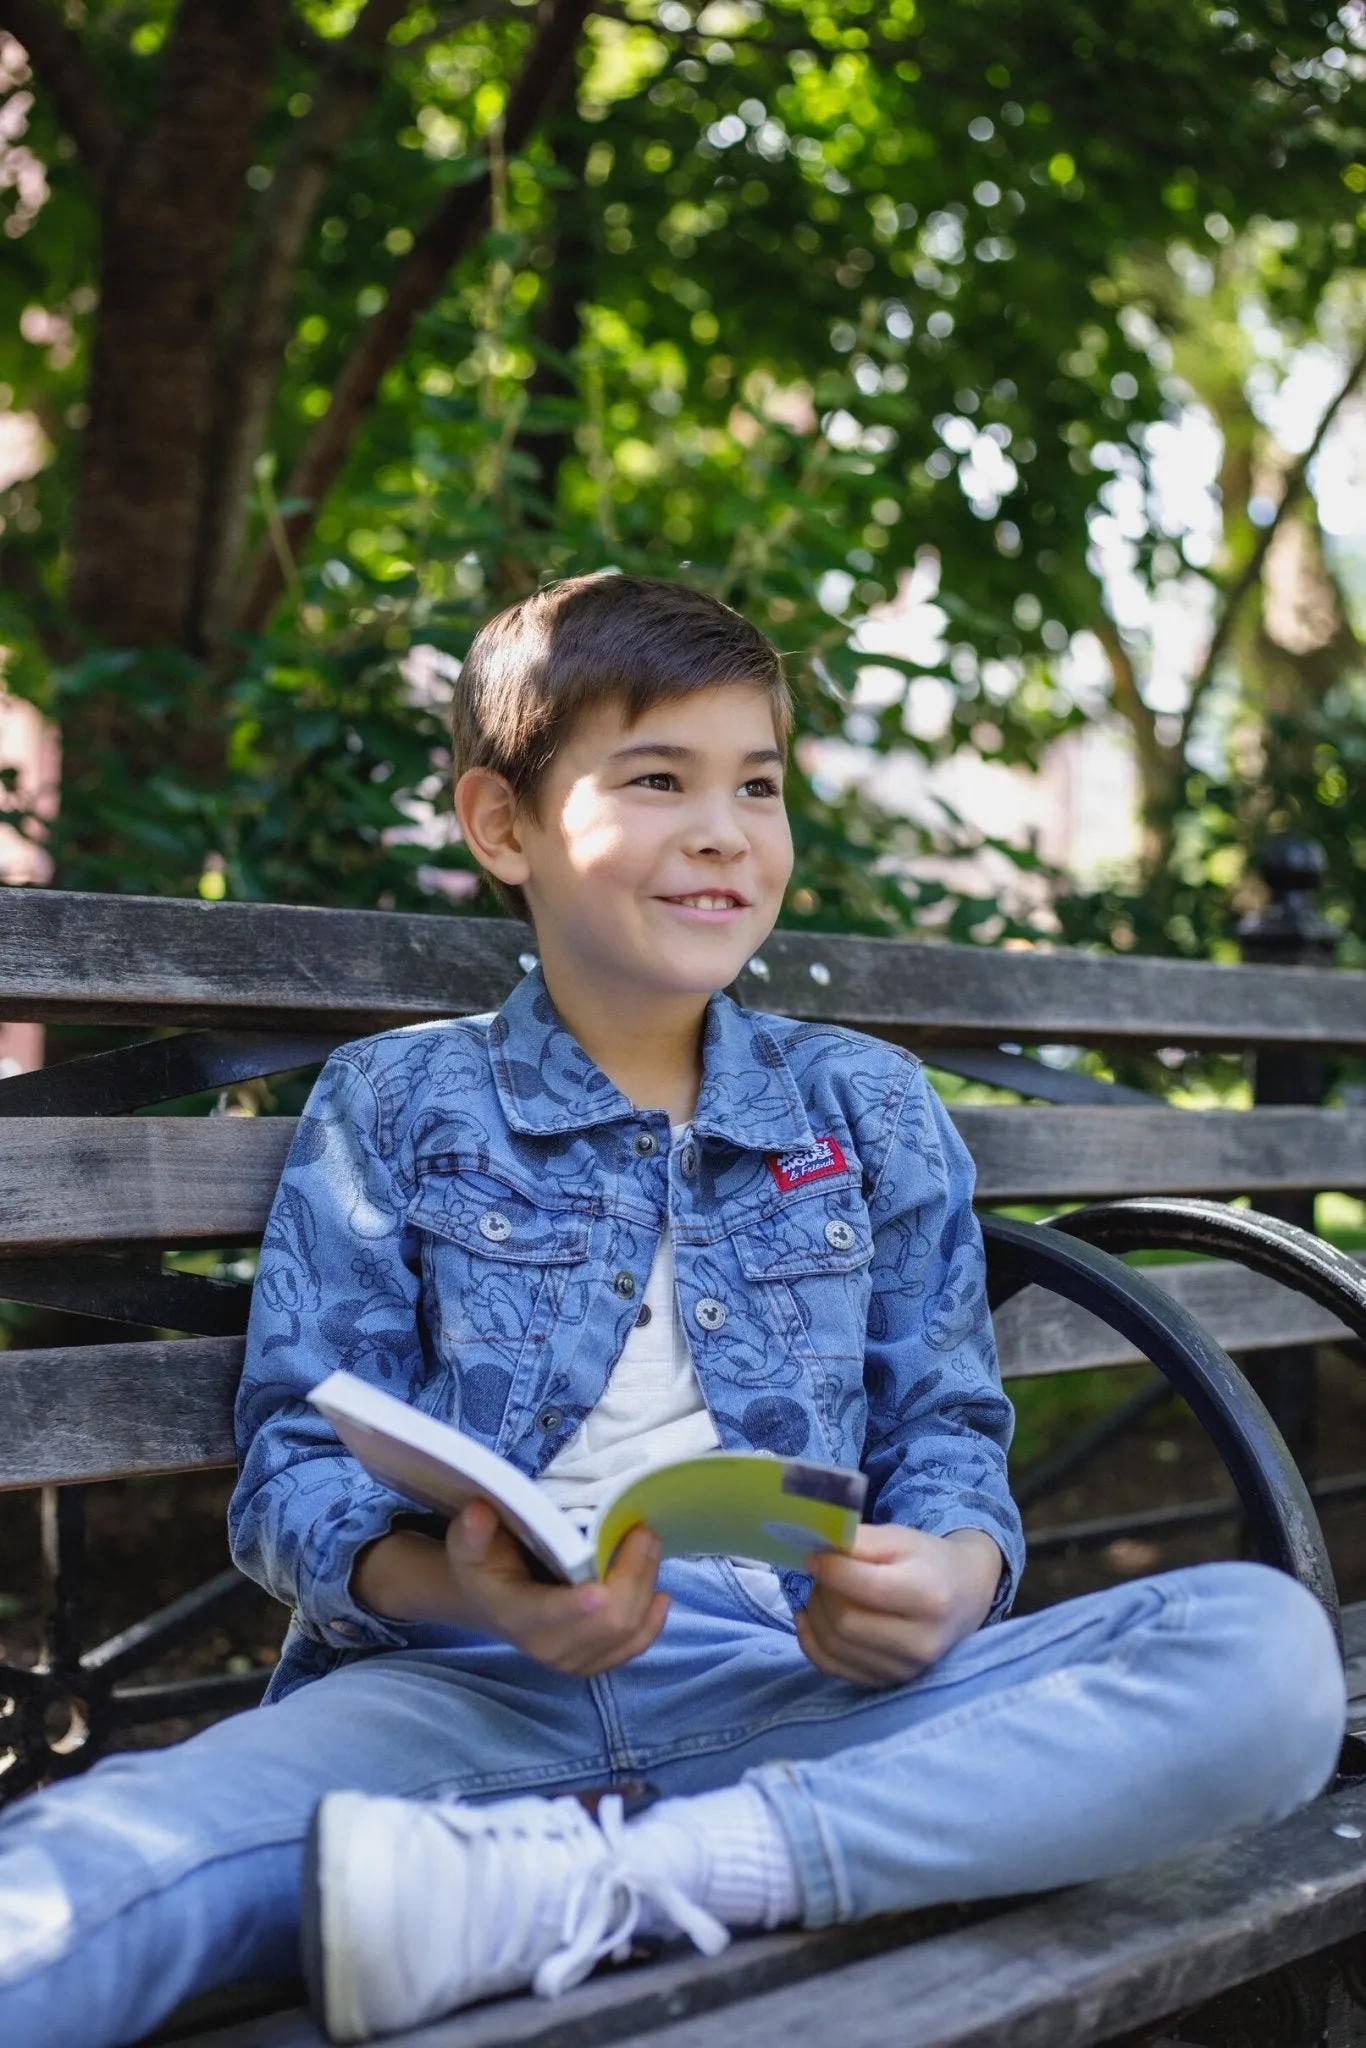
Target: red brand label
x,y
817,1162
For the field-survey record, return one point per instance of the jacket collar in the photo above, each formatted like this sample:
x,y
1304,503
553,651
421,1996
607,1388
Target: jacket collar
x,y
549,1087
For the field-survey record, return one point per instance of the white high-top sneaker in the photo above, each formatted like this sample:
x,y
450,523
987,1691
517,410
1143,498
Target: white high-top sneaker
x,y
412,1908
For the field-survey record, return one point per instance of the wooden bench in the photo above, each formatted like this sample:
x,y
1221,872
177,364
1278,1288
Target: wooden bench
x,y
94,1193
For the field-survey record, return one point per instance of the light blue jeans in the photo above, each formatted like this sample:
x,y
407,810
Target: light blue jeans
x,y
1070,1744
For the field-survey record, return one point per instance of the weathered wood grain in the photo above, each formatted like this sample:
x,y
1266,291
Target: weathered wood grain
x,y
180,1181
1065,1971
1068,1154
1039,1333
194,1180
1076,1969
104,1411
108,1410
160,960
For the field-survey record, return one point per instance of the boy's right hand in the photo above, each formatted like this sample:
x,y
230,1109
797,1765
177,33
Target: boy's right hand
x,y
579,1629
479,1579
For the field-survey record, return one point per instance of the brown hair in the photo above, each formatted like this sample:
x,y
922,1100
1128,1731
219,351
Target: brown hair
x,y
635,641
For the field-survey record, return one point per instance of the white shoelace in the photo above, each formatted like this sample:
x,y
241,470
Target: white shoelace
x,y
603,1911
604,1900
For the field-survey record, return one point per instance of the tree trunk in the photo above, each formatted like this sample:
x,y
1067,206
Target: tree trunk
x,y
570,273
252,352
172,204
449,234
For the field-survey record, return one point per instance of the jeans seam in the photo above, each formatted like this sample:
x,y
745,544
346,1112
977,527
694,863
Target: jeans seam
x,y
1172,1611
753,1611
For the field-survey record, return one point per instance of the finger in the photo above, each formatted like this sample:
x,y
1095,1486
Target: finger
x,y
854,1667
638,1642
630,1580
818,1634
874,1647
617,1637
472,1532
635,1562
540,1619
899,1585
586,1652
813,1649
867,1631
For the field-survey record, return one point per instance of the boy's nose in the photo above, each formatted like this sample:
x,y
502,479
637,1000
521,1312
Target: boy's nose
x,y
718,834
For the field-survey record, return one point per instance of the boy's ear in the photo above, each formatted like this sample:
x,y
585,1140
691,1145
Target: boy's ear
x,y
487,810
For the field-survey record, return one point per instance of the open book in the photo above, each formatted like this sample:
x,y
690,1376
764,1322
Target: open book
x,y
724,1504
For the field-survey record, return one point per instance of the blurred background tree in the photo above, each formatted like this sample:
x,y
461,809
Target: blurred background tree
x,y
343,324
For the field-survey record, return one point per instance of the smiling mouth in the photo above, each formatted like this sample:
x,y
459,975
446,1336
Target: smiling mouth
x,y
711,899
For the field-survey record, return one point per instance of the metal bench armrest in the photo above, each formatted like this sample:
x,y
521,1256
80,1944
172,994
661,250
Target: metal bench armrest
x,y
1281,1251
1280,1514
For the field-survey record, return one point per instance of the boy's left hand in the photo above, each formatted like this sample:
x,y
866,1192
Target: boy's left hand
x,y
880,1615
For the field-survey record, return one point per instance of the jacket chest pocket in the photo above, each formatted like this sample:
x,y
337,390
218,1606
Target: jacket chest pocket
x,y
810,1262
500,1275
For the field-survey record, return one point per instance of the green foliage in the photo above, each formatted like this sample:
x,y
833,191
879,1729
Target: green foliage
x,y
791,297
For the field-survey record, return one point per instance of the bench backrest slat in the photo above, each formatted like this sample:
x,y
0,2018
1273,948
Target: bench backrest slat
x,y
104,1411
162,961
110,1410
1026,1155
1039,1334
183,1181
176,1181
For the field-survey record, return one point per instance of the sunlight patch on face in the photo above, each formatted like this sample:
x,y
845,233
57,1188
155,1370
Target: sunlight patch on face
x,y
592,833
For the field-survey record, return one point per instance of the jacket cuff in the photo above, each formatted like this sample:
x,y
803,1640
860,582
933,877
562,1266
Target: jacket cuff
x,y
364,1513
1005,1534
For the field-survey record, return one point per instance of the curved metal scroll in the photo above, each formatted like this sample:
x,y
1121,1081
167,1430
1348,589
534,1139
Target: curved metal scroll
x,y
1280,1514
1280,1251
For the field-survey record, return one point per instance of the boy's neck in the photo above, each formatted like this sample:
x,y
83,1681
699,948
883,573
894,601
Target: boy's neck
x,y
649,1045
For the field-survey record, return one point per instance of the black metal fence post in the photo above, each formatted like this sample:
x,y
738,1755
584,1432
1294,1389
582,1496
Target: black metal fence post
x,y
1290,931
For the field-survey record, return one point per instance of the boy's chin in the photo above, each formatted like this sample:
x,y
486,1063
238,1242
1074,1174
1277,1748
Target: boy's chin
x,y
699,979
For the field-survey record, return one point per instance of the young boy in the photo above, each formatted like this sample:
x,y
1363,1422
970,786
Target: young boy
x,y
623,1219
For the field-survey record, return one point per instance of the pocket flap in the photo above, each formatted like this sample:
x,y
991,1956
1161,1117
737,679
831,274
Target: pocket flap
x,y
494,1221
806,1239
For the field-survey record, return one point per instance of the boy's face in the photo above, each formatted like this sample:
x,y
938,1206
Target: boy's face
x,y
660,851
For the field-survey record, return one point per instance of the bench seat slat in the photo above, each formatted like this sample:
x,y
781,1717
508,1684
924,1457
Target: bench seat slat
x,y
125,960
67,1181
1072,1970
1062,1971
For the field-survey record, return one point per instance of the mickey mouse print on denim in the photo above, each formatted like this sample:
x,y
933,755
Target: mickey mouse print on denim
x,y
468,1217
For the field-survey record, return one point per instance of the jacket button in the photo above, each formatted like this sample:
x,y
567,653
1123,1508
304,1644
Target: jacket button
x,y
342,1627
687,1161
624,1285
550,1419
643,1144
709,1313
494,1225
645,1316
840,1236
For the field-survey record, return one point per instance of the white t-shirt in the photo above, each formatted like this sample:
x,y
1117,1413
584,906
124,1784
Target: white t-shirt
x,y
652,1411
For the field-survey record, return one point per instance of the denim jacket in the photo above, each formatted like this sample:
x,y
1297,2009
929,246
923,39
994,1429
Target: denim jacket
x,y
468,1217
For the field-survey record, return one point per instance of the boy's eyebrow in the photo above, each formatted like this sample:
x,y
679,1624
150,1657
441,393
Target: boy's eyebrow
x,y
662,750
